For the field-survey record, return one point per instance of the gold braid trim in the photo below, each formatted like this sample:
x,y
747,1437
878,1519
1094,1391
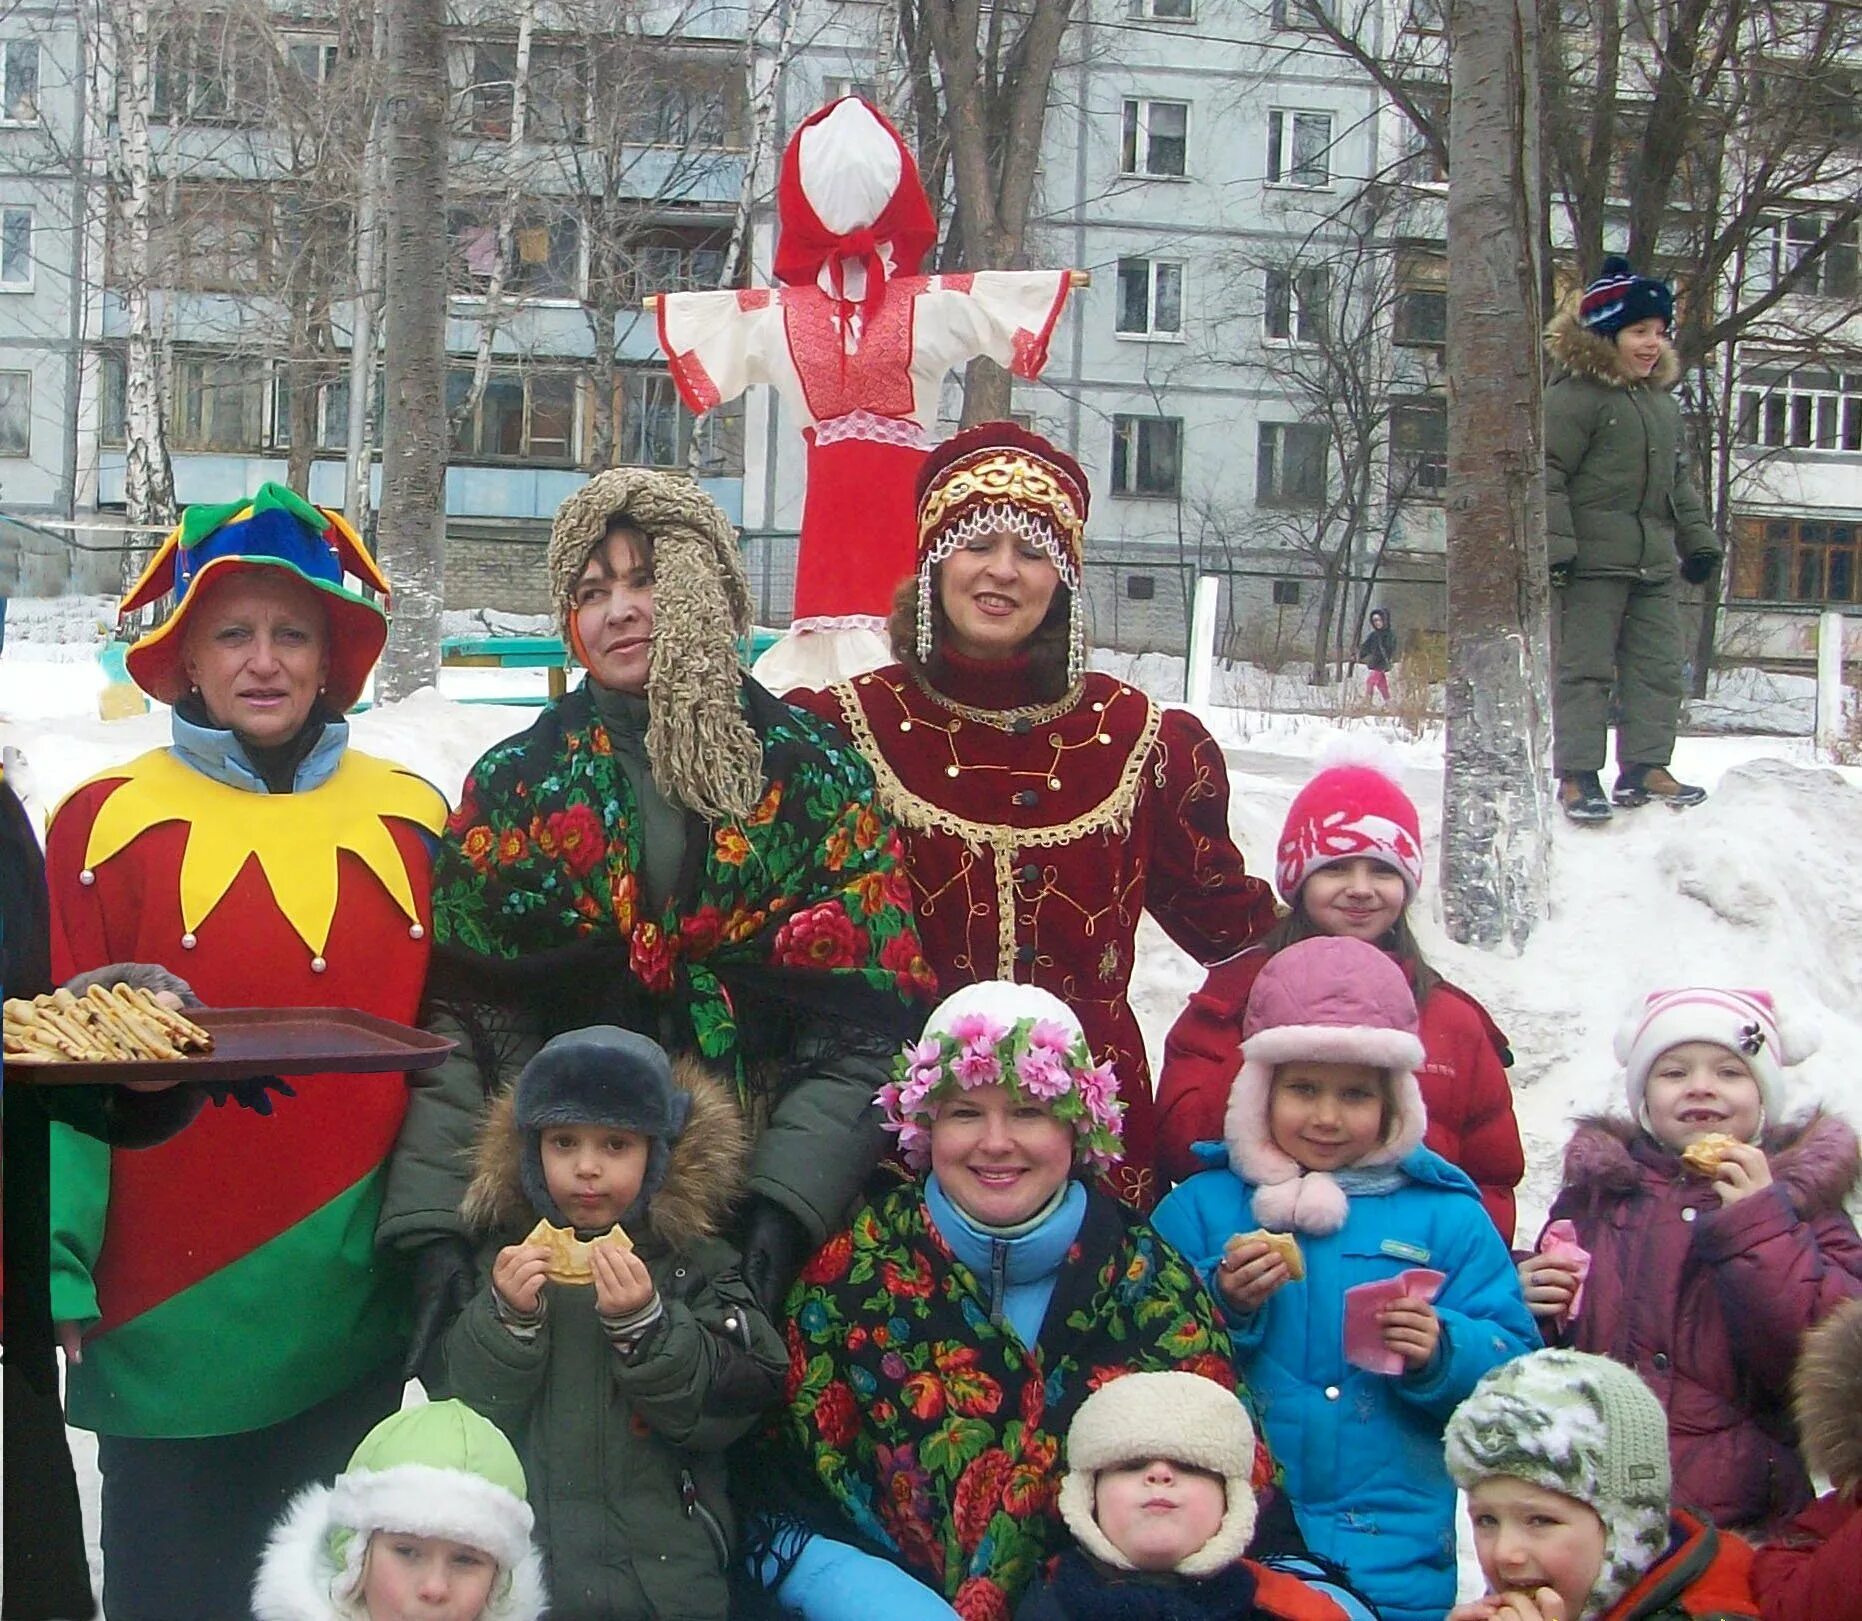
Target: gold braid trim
x,y
921,815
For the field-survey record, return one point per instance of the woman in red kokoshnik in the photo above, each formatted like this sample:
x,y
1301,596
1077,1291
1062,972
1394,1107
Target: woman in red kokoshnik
x,y
1043,807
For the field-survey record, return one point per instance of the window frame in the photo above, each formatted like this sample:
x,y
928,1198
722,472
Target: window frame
x,y
472,451
1151,332
1145,11
1282,144
1270,490
7,48
1773,550
1290,17
1786,398
1132,450
1421,272
1837,275
24,403
1136,142
532,215
201,403
26,283
1423,459
1308,321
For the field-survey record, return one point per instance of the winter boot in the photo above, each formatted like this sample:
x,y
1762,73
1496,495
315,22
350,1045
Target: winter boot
x,y
1580,795
1638,784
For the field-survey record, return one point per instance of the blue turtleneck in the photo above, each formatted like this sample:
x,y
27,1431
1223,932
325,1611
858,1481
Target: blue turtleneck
x,y
1017,1266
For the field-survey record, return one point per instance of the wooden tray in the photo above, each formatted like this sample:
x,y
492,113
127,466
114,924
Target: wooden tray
x,y
254,1041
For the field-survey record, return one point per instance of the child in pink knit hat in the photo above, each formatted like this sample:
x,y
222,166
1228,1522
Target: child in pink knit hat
x,y
1395,1294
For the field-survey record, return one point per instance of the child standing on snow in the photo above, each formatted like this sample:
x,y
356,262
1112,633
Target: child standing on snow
x,y
1350,863
1394,1267
1566,1470
622,1391
429,1520
1378,653
1159,1497
1716,1235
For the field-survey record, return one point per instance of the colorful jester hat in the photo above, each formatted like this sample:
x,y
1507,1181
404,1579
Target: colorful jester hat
x,y
273,529
1018,1036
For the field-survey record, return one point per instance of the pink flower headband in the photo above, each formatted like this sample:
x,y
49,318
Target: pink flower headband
x,y
1033,1060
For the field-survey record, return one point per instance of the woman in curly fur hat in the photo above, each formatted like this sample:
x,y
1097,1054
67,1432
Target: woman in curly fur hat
x,y
622,1392
1704,1279
670,849
1813,1571
1621,517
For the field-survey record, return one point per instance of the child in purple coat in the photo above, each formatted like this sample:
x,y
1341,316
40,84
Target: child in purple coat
x,y
1704,1279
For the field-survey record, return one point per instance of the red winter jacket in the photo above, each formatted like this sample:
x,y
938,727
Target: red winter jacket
x,y
1813,1572
1463,1080
1708,1302
1706,1575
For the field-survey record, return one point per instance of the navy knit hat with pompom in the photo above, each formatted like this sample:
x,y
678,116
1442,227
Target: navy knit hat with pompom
x,y
1620,298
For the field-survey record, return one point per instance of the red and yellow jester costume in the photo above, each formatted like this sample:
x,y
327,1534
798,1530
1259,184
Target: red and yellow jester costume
x,y
1036,832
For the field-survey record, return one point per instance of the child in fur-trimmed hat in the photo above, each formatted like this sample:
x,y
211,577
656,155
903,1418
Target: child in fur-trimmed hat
x,y
429,1519
1402,1294
1159,1496
1707,1228
1812,1569
1564,1458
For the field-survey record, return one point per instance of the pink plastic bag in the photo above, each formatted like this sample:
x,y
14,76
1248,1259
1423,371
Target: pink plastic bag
x,y
1561,1242
1364,1335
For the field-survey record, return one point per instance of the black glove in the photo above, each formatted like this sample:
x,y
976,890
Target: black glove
x,y
1561,574
775,1245
1697,567
444,1278
138,976
253,1094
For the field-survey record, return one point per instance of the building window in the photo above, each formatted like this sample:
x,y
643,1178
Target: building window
x,y
1156,138
1428,16
1836,274
1299,149
210,70
1290,465
837,87
1140,587
312,62
1150,298
1422,164
1286,593
652,429
212,237
1145,455
218,403
1797,560
1421,316
16,249
528,415
492,94
543,258
1295,306
1801,410
1297,15
556,94
15,413
670,267
19,81
113,413
689,104
1171,11
1419,450
332,413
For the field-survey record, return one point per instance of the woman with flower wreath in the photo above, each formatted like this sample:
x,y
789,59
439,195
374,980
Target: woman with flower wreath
x,y
939,1347
670,849
1043,807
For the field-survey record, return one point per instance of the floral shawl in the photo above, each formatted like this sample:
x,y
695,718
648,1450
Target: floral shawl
x,y
933,1430
804,899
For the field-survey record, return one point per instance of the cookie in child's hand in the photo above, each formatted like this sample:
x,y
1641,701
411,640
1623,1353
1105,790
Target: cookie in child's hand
x,y
1285,1245
569,1261
1705,1155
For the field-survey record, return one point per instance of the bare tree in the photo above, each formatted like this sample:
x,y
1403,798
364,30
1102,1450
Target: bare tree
x,y
1495,796
412,525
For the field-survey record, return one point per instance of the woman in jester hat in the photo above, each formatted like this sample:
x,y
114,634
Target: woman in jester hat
x,y
231,1334
940,1344
670,849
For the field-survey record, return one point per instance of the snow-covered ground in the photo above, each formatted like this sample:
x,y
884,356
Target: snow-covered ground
x,y
1747,889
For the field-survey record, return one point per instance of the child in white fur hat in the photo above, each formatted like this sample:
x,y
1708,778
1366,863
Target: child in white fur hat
x,y
1159,1497
429,1521
1716,1235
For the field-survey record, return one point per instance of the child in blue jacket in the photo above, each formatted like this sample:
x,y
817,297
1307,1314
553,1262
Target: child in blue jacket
x,y
1324,1136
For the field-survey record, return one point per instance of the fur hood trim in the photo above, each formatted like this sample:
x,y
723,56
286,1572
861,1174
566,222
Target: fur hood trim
x,y
1827,1388
1816,1159
1583,353
704,1172
303,1567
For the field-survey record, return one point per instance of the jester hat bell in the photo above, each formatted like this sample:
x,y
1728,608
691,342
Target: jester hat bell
x,y
273,529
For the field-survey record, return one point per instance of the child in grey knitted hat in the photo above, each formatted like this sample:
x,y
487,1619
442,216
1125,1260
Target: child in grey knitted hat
x,y
1564,1457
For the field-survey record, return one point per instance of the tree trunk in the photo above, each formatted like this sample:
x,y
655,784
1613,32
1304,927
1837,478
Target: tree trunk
x,y
412,527
1495,797
357,497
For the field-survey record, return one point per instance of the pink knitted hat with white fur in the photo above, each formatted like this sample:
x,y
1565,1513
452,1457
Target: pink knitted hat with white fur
x,y
1325,1000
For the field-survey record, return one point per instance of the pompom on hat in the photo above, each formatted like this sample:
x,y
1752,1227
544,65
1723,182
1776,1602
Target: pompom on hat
x,y
278,531
998,474
1351,808
1620,298
1020,1037
1745,1022
437,1470
1181,1417
1585,1427
1329,999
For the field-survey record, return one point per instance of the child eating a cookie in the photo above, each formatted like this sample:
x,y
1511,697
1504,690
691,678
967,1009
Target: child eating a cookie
x,y
1407,1296
1707,1232
623,1355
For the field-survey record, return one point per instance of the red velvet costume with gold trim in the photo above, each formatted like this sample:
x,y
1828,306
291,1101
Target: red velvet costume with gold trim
x,y
1032,851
